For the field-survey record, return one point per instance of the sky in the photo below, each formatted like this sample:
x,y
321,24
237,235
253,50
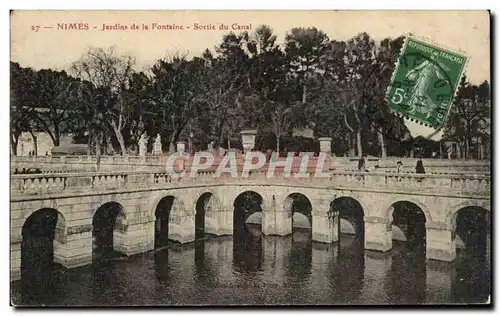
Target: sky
x,y
37,42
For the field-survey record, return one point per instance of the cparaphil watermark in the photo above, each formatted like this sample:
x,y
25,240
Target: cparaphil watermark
x,y
305,165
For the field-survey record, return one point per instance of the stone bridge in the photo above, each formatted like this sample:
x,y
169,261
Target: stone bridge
x,y
77,197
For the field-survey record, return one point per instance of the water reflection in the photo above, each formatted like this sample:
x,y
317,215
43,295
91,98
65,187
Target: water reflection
x,y
257,269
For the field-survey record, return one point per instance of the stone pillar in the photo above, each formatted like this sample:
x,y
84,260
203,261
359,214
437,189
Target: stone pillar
x,y
276,222
15,261
211,221
225,222
134,238
218,222
143,145
157,150
440,243
325,145
181,228
74,249
325,228
248,139
378,234
181,147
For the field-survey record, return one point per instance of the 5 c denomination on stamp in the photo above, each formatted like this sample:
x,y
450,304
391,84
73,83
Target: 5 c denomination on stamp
x,y
424,82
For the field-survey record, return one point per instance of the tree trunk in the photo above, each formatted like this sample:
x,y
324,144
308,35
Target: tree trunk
x,y
121,141
358,143
220,134
14,142
304,93
98,144
171,144
109,146
350,142
383,150
57,136
228,142
89,145
278,144
467,143
119,137
35,144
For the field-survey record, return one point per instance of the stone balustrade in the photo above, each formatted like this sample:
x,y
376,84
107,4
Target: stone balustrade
x,y
42,184
443,183
72,164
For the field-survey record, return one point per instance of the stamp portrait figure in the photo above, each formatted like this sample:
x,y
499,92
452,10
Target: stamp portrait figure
x,y
422,76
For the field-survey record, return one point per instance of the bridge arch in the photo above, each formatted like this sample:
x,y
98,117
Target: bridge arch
x,y
299,207
351,215
206,206
179,204
108,225
167,214
409,220
245,205
39,233
470,224
451,215
389,209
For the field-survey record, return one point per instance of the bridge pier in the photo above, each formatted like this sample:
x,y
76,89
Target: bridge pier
x,y
15,261
134,238
75,248
325,229
276,222
378,234
440,244
181,228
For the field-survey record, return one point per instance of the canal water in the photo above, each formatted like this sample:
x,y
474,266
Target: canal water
x,y
260,270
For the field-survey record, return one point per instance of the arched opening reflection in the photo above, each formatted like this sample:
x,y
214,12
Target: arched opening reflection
x,y
247,236
162,214
472,239
107,230
37,253
300,209
350,257
408,258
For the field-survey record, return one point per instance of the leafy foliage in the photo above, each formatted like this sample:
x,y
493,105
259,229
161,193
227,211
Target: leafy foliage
x,y
336,88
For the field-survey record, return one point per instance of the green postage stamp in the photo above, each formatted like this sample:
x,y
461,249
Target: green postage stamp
x,y
424,82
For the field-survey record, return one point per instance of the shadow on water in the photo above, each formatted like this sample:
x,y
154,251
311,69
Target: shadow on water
x,y
300,255
247,248
350,266
306,272
407,284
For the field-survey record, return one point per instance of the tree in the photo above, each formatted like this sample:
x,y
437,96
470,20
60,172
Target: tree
x,y
469,117
106,70
357,86
232,85
56,95
383,120
305,47
140,114
178,90
21,102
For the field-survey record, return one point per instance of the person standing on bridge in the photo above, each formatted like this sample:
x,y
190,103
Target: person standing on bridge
x,y
361,164
420,166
